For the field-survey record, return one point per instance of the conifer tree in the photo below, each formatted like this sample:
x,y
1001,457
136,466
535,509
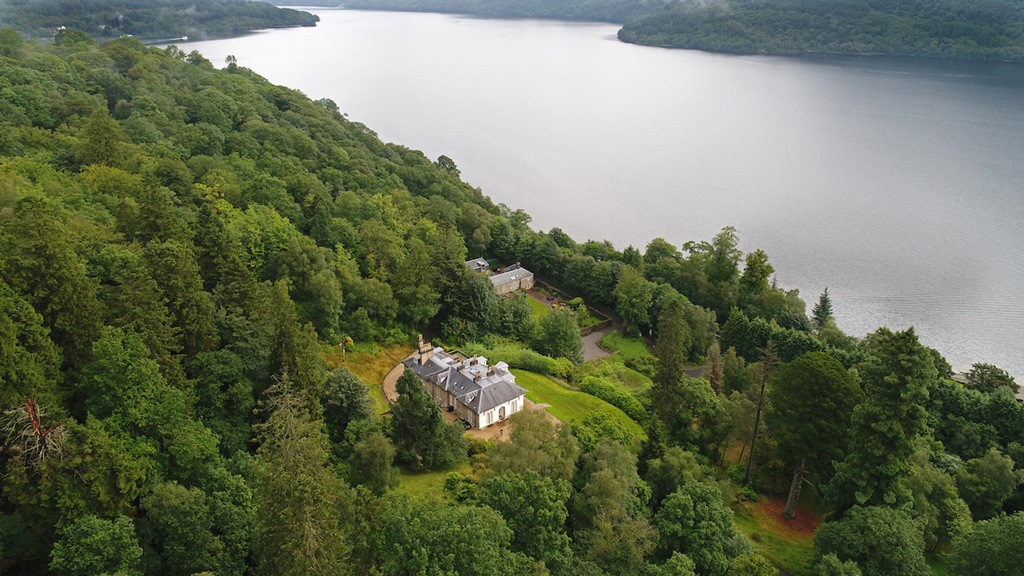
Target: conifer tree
x,y
670,380
301,502
812,401
822,310
895,381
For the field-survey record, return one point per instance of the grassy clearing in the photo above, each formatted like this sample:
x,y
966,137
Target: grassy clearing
x,y
370,362
429,484
540,309
628,348
789,544
567,404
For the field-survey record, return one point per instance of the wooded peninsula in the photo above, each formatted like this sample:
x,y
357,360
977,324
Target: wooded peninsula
x,y
148,19
208,284
989,30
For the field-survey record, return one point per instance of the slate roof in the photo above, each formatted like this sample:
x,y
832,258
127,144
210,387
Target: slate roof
x,y
473,382
478,265
510,276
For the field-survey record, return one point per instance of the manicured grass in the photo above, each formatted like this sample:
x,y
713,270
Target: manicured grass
x,y
429,484
567,404
634,348
371,363
539,308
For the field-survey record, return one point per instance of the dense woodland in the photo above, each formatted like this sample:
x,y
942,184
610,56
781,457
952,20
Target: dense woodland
x,y
148,19
984,30
617,11
183,248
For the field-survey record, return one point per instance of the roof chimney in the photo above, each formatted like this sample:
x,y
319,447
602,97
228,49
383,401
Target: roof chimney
x,y
424,348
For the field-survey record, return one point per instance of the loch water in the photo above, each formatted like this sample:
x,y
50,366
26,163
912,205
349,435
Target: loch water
x,y
898,184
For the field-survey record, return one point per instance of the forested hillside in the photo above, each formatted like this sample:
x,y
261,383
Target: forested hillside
x,y
192,259
984,30
148,19
617,11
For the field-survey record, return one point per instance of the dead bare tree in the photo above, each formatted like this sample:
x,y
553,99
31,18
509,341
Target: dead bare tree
x,y
26,437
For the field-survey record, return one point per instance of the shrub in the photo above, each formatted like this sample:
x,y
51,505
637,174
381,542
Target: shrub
x,y
614,395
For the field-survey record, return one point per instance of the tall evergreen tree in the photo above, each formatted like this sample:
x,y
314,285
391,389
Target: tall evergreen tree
x,y
173,266
822,310
812,401
673,341
421,436
302,504
35,240
138,305
769,361
895,379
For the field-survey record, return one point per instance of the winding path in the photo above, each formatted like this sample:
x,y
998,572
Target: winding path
x,y
591,351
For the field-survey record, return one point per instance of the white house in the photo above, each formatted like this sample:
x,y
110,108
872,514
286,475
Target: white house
x,y
479,394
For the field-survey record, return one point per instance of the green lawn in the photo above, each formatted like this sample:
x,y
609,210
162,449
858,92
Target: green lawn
x,y
539,308
634,348
430,484
568,404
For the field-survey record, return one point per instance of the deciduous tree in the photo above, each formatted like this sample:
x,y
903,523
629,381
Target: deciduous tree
x,y
536,443
93,545
881,540
695,521
633,299
534,507
986,482
558,335
994,548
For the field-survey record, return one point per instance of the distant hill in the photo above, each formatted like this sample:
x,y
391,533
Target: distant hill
x,y
617,11
958,29
148,19
975,30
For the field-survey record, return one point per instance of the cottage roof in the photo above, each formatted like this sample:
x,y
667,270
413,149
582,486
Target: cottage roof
x,y
473,382
511,276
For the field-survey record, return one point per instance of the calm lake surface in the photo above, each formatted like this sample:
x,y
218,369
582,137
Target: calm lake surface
x,y
899,185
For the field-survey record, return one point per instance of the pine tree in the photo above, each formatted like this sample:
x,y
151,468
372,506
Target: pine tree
x,y
822,310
